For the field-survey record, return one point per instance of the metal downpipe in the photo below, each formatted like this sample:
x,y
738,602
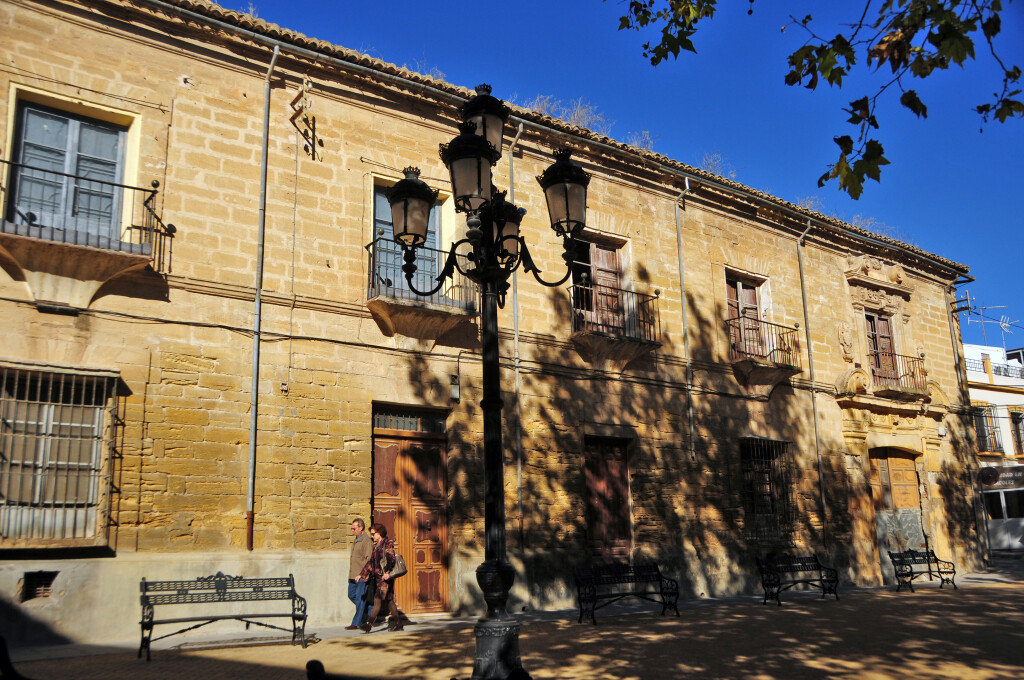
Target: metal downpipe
x,y
686,326
814,384
250,496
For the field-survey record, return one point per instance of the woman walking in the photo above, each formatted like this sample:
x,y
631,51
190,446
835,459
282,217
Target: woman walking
x,y
379,566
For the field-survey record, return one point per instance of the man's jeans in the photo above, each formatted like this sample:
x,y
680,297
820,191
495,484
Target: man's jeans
x,y
357,593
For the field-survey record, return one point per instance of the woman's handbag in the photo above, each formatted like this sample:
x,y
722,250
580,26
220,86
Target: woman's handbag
x,y
400,568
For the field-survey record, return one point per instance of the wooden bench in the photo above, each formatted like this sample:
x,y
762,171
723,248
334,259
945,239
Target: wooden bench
x,y
608,583
782,572
215,590
911,564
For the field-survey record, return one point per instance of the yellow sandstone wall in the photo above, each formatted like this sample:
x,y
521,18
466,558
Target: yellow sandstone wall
x,y
182,339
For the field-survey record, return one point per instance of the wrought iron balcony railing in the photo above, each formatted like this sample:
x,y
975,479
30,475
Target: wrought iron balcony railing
x,y
76,209
897,373
752,338
975,365
1004,370
388,280
615,312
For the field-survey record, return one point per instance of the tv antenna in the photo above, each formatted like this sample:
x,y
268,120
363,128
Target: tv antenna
x,y
1004,328
972,310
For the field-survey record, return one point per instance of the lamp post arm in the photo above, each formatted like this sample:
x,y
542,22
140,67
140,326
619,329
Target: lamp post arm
x,y
447,272
530,266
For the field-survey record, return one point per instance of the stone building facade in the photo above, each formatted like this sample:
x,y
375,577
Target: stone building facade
x,y
726,374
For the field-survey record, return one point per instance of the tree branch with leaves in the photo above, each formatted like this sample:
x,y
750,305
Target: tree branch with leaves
x,y
900,39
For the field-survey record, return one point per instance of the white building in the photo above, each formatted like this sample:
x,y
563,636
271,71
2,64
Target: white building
x,y
996,386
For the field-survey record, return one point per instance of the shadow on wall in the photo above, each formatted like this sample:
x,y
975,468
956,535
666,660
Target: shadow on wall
x,y
961,505
686,512
20,627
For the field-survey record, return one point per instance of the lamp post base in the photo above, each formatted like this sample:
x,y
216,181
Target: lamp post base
x,y
497,651
497,634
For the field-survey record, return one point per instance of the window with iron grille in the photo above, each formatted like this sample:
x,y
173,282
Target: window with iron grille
x,y
985,428
54,444
765,491
411,420
1017,428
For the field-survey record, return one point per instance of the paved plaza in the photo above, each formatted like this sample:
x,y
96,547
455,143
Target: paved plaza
x,y
974,633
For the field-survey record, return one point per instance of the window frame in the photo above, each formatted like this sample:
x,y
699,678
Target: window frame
x,y
73,182
983,412
40,408
770,460
1016,415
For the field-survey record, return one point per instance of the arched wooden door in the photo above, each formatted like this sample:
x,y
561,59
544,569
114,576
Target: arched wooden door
x,y
897,500
409,498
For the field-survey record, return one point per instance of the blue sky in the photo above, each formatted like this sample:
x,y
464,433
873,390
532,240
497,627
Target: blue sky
x,y
954,187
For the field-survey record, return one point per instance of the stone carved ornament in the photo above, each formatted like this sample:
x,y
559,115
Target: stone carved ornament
x,y
875,268
875,299
846,340
862,264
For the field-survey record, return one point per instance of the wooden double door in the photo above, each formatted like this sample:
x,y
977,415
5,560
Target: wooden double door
x,y
897,499
410,499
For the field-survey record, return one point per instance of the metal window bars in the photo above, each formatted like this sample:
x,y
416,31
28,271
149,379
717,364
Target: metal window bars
x,y
76,209
388,280
412,420
765,489
55,446
615,312
986,430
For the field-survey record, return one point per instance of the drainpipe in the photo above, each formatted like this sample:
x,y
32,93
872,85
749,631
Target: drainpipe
x,y
686,327
814,384
515,361
250,497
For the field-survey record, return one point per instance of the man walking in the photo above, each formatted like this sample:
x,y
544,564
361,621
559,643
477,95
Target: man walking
x,y
362,547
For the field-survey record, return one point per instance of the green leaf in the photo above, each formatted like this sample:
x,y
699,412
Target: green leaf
x,y
860,112
845,144
922,65
871,161
991,26
1009,108
952,43
911,101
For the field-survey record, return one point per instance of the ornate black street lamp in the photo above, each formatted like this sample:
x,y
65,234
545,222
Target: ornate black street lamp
x,y
494,249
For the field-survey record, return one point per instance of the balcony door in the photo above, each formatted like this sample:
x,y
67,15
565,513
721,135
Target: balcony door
x,y
69,173
745,337
597,285
881,351
388,254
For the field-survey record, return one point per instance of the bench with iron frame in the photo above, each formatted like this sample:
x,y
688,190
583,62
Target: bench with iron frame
x,y
220,589
609,583
910,564
782,572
